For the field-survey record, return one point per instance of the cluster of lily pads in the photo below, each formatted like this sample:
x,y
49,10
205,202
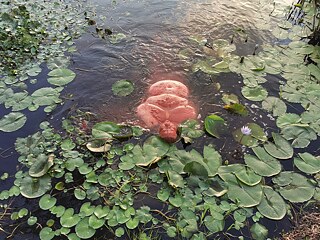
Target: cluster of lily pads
x,y
103,180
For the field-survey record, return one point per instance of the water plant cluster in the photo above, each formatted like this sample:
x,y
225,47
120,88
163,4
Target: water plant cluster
x,y
125,183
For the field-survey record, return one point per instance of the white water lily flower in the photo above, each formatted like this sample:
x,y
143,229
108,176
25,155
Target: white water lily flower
x,y
246,130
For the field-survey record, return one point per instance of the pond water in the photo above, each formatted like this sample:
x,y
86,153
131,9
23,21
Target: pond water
x,y
155,33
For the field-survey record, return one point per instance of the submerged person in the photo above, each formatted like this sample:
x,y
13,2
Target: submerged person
x,y
166,107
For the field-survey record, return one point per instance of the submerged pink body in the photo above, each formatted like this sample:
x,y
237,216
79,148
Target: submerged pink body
x,y
166,107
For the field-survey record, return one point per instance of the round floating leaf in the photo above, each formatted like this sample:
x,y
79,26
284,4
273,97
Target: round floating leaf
x,y
243,195
58,210
307,163
46,202
214,225
32,220
294,187
61,76
250,140
12,122
259,232
101,212
105,130
254,94
96,147
163,194
281,148
41,165
191,129
67,144
272,205
195,168
230,98
68,219
46,233
247,176
46,96
95,222
274,105
236,108
122,88
35,187
301,135
263,163
288,119
83,229
119,232
80,194
214,125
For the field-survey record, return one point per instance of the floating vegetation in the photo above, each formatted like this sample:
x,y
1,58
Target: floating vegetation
x,y
85,183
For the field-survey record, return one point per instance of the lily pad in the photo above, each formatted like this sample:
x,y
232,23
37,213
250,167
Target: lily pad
x,y
258,231
105,130
307,163
247,176
272,205
280,149
230,98
294,187
61,76
96,147
274,105
255,93
35,187
263,163
46,202
122,88
301,135
84,230
69,219
236,108
41,165
214,125
12,122
190,129
251,140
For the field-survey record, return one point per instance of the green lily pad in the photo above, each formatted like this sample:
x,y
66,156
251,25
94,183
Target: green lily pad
x,y
41,165
46,96
61,76
307,163
214,125
244,195
294,187
272,205
190,129
250,140
32,220
288,119
46,202
236,108
230,98
300,135
46,233
69,219
247,176
195,168
280,149
105,130
214,225
274,105
122,88
258,231
132,223
255,93
35,187
263,163
12,122
95,222
84,230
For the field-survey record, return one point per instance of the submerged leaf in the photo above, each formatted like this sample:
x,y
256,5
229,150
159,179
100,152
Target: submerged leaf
x,y
122,88
236,108
255,93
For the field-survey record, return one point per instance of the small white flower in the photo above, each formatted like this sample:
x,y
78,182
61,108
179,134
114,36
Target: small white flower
x,y
246,130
